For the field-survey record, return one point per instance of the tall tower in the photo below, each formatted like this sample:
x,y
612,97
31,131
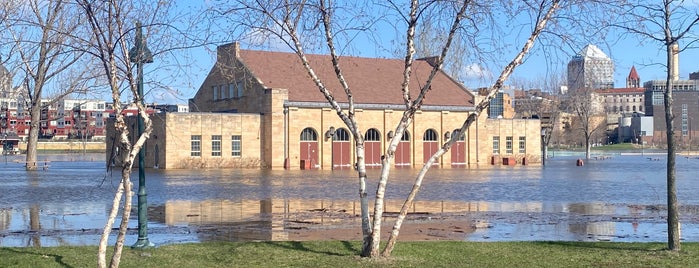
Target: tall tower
x,y
590,68
675,70
633,80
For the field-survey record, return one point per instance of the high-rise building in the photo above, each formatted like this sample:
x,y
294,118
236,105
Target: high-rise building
x,y
591,69
5,81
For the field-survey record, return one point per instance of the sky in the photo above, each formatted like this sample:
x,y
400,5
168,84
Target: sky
x,y
193,64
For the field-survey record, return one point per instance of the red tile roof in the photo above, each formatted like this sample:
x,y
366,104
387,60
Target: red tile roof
x,y
372,80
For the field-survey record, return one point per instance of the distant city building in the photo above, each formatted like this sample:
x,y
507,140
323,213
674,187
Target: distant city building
x,y
685,108
171,108
590,68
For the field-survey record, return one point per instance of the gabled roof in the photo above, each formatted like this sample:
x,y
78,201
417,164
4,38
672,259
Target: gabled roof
x,y
372,80
633,74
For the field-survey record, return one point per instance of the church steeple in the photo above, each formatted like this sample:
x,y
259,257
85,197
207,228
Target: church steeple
x,y
633,81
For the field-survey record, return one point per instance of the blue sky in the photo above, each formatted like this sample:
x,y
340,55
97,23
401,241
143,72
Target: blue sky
x,y
646,56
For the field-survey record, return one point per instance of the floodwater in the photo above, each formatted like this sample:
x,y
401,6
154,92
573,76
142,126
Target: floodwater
x,y
618,198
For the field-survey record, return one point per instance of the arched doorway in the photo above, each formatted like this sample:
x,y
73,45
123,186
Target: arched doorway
x,y
372,148
458,150
309,149
403,150
341,149
430,145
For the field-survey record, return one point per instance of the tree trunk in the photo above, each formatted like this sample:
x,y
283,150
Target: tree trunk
x,y
673,228
102,250
33,141
125,215
363,199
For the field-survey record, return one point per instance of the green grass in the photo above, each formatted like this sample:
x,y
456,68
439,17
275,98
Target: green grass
x,y
617,147
345,254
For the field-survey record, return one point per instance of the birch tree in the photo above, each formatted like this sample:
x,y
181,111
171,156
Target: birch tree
x,y
667,23
47,57
113,32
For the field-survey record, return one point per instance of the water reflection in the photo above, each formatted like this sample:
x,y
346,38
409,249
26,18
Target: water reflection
x,y
618,199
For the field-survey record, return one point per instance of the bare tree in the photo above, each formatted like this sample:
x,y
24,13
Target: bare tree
x,y
544,10
584,103
43,45
667,22
542,101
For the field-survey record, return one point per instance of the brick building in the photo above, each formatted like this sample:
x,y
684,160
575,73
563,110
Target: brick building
x,y
260,108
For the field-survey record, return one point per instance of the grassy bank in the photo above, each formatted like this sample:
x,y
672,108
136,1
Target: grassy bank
x,y
344,254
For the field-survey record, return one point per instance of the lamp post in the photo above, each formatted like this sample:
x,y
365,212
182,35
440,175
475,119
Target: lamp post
x,y
141,55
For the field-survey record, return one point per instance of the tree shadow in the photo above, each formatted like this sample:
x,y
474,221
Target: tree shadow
x,y
297,245
57,258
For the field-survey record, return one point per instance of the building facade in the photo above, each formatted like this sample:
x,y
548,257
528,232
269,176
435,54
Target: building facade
x,y
685,95
260,109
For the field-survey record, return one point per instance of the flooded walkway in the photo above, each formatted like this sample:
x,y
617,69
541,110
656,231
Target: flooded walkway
x,y
621,198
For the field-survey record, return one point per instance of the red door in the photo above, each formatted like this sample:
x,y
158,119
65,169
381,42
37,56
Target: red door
x,y
403,151
309,155
458,154
429,145
341,149
458,150
309,149
372,148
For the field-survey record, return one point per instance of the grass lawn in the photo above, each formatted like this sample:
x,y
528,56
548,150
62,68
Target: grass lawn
x,y
345,254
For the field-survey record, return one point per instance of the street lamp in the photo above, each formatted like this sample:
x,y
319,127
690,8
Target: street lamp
x,y
140,55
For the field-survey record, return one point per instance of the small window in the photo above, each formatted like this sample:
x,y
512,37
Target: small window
x,y
508,144
496,144
240,87
223,91
215,92
235,145
231,90
196,145
216,145
522,144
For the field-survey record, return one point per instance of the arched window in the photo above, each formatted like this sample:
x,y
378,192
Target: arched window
x,y
455,133
341,135
308,134
430,135
405,137
372,135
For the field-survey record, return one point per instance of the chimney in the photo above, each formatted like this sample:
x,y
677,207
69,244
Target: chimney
x,y
675,68
227,52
